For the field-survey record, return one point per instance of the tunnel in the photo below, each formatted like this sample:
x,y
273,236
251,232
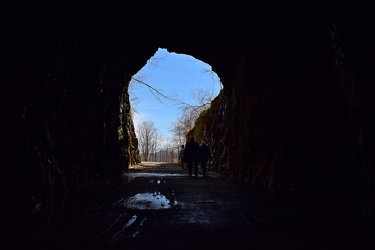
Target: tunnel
x,y
295,116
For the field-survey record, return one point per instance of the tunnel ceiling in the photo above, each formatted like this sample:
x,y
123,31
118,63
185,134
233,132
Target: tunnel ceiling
x,y
295,114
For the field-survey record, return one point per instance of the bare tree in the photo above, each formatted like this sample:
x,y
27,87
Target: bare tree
x,y
169,152
178,131
148,138
155,145
183,124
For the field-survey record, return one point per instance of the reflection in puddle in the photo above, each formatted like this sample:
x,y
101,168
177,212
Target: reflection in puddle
x,y
136,233
132,175
147,201
120,233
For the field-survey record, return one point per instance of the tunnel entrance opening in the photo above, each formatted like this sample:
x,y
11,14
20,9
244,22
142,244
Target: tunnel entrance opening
x,y
167,95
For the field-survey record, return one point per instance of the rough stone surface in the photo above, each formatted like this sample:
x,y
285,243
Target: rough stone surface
x,y
295,116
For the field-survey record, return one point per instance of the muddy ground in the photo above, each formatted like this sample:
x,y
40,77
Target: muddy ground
x,y
158,206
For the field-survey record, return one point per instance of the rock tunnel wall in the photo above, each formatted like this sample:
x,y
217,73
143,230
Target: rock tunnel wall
x,y
295,114
292,117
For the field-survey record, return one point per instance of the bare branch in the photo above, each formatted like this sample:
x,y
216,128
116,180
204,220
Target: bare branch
x,y
156,93
183,105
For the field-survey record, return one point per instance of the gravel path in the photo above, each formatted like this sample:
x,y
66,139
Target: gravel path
x,y
158,206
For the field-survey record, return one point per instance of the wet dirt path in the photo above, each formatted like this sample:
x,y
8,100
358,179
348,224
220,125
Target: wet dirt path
x,y
158,206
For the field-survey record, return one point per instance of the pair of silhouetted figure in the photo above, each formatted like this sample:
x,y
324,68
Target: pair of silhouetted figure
x,y
193,153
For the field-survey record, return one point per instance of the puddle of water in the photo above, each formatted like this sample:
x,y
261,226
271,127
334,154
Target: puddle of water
x,y
131,176
147,201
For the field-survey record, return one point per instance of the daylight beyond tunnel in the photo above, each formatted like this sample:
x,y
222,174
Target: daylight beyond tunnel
x,y
167,95
295,116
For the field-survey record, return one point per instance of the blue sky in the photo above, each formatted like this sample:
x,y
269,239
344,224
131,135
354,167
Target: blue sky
x,y
175,75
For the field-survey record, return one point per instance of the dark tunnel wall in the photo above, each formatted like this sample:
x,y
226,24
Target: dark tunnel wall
x,y
296,112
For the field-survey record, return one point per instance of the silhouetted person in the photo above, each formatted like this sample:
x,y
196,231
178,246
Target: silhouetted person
x,y
204,156
191,154
181,157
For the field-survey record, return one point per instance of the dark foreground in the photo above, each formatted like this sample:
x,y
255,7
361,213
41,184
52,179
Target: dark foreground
x,y
161,207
